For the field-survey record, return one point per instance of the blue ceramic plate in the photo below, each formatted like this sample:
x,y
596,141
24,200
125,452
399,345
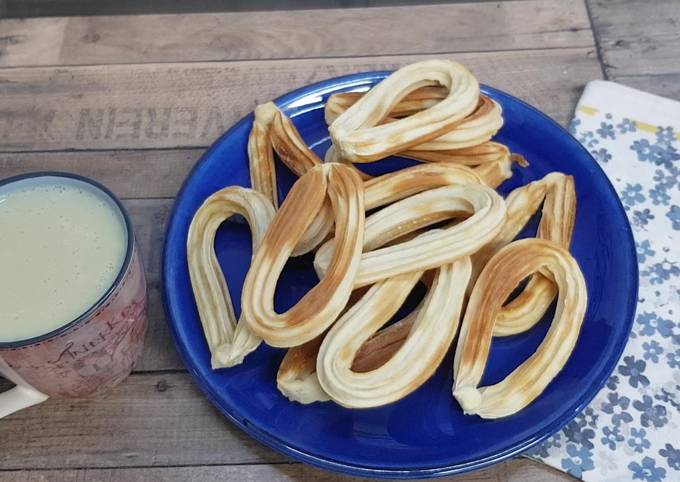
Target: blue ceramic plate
x,y
426,433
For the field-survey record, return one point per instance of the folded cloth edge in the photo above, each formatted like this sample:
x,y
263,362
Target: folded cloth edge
x,y
625,101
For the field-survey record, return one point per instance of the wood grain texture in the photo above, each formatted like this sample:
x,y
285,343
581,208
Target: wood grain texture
x,y
148,420
129,174
189,105
638,37
157,420
461,27
667,85
520,470
149,219
31,42
639,43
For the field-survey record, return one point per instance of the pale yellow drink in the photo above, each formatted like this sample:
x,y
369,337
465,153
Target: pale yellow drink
x,y
62,245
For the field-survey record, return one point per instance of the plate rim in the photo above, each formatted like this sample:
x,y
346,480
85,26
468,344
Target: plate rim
x,y
281,446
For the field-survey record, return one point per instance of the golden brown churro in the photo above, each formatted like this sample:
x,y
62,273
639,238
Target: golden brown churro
x,y
319,308
297,378
476,128
486,152
500,276
289,145
229,341
432,249
556,192
557,225
357,134
299,158
419,355
261,155
415,101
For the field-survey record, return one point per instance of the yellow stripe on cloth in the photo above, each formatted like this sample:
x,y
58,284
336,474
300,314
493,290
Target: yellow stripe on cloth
x,y
586,109
646,127
643,126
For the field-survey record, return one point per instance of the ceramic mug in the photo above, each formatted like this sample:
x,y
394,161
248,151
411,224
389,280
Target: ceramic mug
x,y
94,352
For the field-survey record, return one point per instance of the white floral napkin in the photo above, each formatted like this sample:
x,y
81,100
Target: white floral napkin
x,y
631,430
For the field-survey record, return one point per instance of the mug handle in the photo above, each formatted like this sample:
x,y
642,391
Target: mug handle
x,y
20,397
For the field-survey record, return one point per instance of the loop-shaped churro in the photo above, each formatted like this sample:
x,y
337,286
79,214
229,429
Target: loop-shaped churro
x,y
557,224
483,206
475,129
413,102
491,169
491,160
289,145
486,152
261,154
297,378
506,269
319,308
397,185
357,134
294,153
478,127
419,355
229,341
557,193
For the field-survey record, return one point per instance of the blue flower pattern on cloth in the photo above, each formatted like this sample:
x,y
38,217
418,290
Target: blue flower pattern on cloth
x,y
638,440
631,430
647,471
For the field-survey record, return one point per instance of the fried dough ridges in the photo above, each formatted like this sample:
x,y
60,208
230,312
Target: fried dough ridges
x,y
433,328
483,206
319,308
507,268
358,134
229,341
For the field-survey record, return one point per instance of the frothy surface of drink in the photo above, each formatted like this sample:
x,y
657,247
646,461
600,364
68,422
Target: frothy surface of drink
x,y
62,245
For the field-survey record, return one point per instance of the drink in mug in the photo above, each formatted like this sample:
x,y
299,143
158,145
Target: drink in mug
x,y
72,290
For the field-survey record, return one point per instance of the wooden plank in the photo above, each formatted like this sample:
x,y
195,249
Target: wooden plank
x,y
35,42
637,37
667,85
129,174
524,470
463,27
159,348
148,420
189,105
69,8
154,421
149,218
520,470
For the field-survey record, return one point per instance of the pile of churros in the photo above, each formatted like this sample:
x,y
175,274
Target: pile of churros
x,y
439,223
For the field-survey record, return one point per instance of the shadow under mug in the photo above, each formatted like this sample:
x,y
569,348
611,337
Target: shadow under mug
x,y
91,354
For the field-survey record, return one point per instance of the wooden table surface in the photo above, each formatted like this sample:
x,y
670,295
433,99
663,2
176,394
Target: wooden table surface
x,y
133,101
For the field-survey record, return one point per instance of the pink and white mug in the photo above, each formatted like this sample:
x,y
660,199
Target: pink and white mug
x,y
85,269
